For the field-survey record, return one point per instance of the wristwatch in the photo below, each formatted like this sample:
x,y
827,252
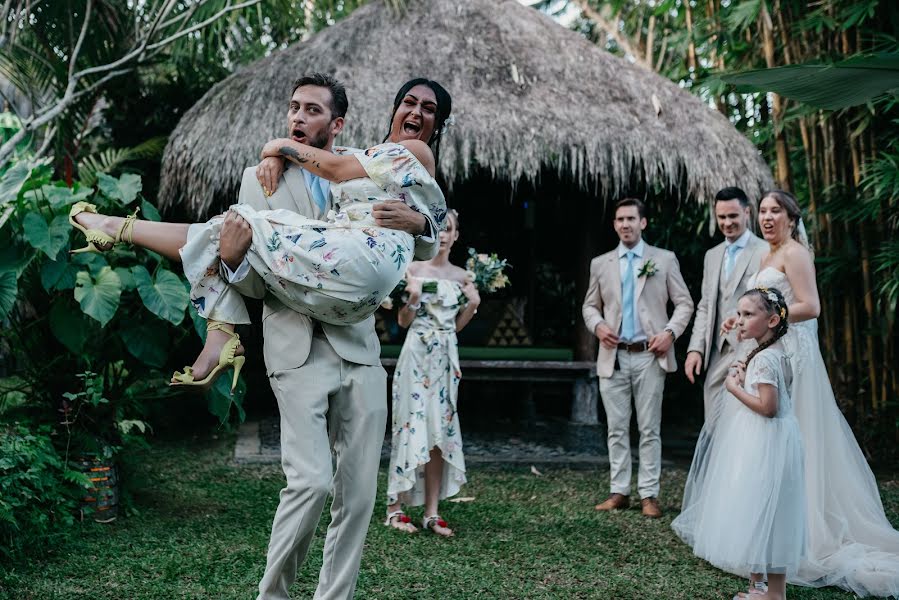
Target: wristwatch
x,y
673,335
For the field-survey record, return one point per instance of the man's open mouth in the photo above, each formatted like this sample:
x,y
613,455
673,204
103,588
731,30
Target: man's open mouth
x,y
298,135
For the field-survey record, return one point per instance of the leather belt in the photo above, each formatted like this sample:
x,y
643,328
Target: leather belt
x,y
634,347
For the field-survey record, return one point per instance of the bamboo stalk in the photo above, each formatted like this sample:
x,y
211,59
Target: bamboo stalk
x,y
780,138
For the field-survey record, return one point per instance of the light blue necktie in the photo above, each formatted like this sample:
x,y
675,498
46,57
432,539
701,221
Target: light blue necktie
x,y
730,259
317,194
627,299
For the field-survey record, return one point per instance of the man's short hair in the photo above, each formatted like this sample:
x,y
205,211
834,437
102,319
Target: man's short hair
x,y
641,208
732,193
339,102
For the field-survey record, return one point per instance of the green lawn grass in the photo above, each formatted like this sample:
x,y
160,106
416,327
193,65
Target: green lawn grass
x,y
201,529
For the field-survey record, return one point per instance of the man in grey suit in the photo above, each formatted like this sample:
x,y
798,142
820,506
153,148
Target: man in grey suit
x,y
726,270
328,380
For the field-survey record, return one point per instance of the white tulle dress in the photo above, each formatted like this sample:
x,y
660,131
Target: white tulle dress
x,y
851,543
744,503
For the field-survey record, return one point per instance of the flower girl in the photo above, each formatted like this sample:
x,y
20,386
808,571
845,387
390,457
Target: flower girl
x,y
744,502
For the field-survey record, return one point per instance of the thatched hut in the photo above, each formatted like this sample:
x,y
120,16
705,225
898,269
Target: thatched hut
x,y
549,130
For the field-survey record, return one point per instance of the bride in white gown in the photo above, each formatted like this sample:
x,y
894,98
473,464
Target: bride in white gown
x,y
851,543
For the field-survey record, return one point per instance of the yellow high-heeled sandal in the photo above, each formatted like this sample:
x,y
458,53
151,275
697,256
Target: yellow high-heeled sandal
x,y
227,358
98,241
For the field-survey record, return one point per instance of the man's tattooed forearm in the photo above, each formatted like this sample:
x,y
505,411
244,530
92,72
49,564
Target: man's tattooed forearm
x,y
301,159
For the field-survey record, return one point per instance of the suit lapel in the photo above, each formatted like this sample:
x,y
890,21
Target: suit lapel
x,y
296,184
648,255
717,265
615,275
740,268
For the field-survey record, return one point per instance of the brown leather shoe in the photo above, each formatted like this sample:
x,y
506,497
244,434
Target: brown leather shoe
x,y
651,508
614,502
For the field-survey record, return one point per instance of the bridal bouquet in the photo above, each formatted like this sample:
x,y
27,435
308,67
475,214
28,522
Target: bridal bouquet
x,y
486,271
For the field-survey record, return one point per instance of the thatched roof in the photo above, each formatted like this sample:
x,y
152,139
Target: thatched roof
x,y
528,94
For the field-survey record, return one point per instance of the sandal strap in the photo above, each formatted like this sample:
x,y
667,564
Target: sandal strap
x,y
229,350
428,522
126,231
397,514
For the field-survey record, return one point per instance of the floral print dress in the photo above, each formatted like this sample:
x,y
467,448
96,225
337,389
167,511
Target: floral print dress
x,y
425,390
337,270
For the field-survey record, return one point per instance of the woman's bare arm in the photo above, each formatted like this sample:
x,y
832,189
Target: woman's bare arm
x,y
800,271
337,167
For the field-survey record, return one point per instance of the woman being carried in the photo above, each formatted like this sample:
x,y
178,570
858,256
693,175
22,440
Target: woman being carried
x,y
336,271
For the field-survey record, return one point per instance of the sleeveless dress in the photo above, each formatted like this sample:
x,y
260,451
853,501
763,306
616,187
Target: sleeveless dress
x,y
425,390
851,543
337,271
744,502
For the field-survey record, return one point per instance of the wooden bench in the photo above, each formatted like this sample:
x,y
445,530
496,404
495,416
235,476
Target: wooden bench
x,y
531,365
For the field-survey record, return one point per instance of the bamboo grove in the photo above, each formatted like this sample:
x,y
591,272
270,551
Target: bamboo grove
x,y
843,165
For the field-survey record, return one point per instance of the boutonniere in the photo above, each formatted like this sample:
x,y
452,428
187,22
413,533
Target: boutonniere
x,y
648,269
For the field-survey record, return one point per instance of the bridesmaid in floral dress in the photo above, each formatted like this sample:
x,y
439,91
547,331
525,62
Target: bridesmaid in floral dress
x,y
426,461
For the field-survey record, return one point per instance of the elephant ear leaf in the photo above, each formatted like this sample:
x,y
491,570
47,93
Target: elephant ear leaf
x,y
165,295
124,189
99,296
9,288
49,239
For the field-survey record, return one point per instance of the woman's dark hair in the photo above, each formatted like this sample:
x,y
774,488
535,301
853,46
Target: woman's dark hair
x,y
776,306
444,109
788,202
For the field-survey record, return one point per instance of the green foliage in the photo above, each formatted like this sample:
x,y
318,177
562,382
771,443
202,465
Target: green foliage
x,y
38,492
839,85
96,309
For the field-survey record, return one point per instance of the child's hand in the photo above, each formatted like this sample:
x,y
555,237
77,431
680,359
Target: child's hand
x,y
728,325
736,375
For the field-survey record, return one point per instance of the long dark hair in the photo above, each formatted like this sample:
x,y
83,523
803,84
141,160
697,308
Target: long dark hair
x,y
444,109
772,306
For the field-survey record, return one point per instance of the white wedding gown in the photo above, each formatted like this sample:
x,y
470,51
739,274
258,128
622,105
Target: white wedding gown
x,y
850,542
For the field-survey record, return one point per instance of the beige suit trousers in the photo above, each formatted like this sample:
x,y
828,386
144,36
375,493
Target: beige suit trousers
x,y
641,378
713,388
328,403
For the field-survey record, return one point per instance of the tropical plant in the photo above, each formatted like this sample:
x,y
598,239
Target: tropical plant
x,y
119,314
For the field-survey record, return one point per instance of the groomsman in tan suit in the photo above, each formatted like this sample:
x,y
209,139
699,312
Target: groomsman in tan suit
x,y
726,271
328,380
626,307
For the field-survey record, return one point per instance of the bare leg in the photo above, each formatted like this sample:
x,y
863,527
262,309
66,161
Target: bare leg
x,y
777,587
433,476
166,239
163,238
395,521
209,357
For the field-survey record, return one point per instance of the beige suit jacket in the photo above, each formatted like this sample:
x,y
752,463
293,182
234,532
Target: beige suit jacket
x,y
287,335
705,328
603,302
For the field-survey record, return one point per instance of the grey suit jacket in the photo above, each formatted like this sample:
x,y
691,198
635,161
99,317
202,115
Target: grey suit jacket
x,y
287,335
705,328
603,302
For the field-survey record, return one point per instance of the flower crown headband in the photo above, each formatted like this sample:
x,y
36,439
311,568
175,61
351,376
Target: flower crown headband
x,y
774,300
